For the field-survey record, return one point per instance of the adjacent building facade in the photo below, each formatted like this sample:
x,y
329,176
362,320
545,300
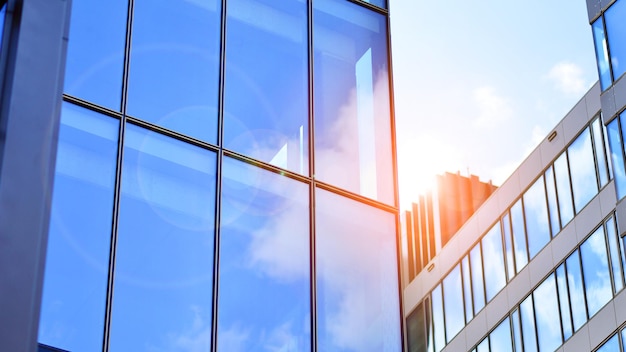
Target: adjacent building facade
x,y
439,214
540,265
225,177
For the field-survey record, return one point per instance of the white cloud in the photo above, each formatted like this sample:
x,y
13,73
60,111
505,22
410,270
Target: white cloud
x,y
568,78
492,107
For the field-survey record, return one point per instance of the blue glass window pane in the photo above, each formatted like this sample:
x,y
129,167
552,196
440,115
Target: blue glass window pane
x,y
582,170
517,330
500,337
564,303
495,276
164,260
617,157
616,32
601,160
438,327
264,261
616,257
352,111
536,214
77,263
595,266
266,97
576,292
547,313
553,206
623,333
483,346
602,53
508,245
95,52
478,286
357,278
467,289
174,66
612,345
453,303
528,325
564,192
519,235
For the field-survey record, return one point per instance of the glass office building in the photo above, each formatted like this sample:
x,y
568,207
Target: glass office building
x,y
540,266
224,180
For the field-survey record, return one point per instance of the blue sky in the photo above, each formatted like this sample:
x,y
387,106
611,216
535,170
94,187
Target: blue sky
x,y
479,84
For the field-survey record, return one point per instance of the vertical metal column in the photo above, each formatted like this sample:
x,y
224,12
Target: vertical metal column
x,y
29,124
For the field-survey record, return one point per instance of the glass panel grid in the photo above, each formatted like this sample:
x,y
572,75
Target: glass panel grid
x,y
173,81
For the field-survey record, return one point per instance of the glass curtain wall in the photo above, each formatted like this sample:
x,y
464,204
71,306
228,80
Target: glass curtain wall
x,y
198,204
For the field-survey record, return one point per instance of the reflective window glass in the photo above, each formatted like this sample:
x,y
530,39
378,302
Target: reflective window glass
x,y
95,53
576,292
174,66
495,276
357,279
582,169
478,286
598,142
266,85
77,263
617,157
595,266
417,329
547,313
612,345
564,192
517,330
508,245
352,120
439,333
500,337
467,289
602,53
528,325
564,303
519,235
483,346
164,259
536,214
553,206
623,339
264,261
453,303
616,32
616,257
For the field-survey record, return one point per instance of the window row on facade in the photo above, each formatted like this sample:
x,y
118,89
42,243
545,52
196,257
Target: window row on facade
x,y
608,33
252,88
616,342
560,305
548,205
142,275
